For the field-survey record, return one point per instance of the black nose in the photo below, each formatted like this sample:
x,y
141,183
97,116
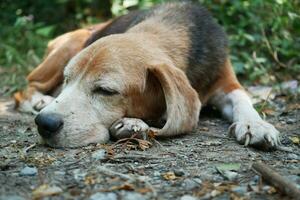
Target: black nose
x,y
48,124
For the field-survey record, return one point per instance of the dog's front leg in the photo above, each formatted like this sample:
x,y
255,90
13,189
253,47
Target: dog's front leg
x,y
247,126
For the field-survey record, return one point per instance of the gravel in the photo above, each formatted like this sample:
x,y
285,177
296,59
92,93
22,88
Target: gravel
x,y
91,173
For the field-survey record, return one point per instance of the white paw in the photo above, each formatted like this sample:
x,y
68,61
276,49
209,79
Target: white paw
x,y
255,133
41,102
126,127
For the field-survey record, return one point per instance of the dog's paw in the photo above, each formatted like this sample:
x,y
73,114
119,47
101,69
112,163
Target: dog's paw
x,y
35,104
260,134
126,127
41,102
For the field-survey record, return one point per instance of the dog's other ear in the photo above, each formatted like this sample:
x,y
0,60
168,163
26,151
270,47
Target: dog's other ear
x,y
49,74
182,101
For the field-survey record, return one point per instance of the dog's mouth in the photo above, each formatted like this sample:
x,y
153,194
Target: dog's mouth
x,y
47,134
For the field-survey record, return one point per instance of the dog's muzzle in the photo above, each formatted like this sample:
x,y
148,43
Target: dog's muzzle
x,y
48,124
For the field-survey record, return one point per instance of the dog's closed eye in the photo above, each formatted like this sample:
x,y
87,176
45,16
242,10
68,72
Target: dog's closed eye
x,y
104,91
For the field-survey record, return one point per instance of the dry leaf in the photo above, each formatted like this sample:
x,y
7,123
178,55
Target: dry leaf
x,y
45,190
268,111
169,176
295,106
89,180
151,134
144,190
125,186
144,144
133,143
295,140
272,190
204,129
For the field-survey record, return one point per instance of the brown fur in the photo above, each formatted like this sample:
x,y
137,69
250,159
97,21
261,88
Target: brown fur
x,y
226,81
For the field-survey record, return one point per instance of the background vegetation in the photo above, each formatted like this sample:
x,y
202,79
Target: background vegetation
x,y
264,34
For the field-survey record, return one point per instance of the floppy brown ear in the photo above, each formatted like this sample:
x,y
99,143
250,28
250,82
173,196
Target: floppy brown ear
x,y
182,101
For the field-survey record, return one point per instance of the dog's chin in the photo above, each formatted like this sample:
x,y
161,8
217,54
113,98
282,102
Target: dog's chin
x,y
76,142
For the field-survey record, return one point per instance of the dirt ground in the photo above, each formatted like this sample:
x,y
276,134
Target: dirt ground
x,y
205,164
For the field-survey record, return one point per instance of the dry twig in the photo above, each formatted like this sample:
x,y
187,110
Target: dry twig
x,y
281,183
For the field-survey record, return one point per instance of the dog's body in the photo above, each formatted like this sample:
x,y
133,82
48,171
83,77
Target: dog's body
x,y
149,65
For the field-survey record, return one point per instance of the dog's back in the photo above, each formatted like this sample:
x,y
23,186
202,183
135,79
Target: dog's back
x,y
205,49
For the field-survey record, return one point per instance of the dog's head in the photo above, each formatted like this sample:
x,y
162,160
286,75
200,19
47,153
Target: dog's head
x,y
117,76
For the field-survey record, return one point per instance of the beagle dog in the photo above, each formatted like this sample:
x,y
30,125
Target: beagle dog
x,y
161,64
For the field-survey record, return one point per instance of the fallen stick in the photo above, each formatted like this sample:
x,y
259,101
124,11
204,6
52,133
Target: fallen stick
x,y
281,183
26,149
135,157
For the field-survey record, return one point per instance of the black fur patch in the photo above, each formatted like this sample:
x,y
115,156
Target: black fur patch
x,y
209,46
119,25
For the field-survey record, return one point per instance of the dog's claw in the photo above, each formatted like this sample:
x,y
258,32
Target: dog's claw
x,y
118,126
248,138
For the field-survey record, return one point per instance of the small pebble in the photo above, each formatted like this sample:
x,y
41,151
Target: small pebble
x,y
99,154
255,180
188,197
133,196
79,174
292,156
59,173
190,184
103,196
198,180
179,172
269,189
290,121
28,171
156,173
286,141
240,190
230,175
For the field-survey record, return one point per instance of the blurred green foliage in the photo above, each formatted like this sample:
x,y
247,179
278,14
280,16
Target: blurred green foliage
x,y
264,35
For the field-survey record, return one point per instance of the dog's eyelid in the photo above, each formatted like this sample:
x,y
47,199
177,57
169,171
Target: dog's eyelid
x,y
104,91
